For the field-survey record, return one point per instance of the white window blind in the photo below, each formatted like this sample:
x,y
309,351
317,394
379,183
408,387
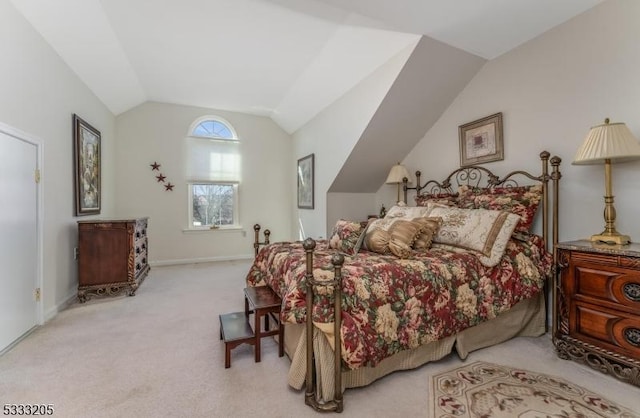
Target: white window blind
x,y
213,160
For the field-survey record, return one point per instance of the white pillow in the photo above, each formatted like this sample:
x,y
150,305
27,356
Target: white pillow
x,y
485,232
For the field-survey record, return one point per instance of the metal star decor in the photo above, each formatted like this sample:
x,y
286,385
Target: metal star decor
x,y
161,177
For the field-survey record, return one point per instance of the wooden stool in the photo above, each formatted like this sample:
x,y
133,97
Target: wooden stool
x,y
263,302
234,330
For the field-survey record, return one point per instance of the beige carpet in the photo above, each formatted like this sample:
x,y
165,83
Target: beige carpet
x,y
483,389
159,354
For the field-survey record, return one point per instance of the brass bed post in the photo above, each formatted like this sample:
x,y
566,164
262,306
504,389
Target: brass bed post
x,y
256,239
555,177
337,260
310,394
544,157
406,188
310,398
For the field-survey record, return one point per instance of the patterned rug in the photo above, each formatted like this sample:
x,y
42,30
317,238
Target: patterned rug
x,y
489,390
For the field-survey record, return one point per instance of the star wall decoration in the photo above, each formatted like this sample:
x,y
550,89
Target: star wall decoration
x,y
161,178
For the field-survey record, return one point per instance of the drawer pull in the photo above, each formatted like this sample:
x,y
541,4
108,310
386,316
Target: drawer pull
x,y
632,291
632,335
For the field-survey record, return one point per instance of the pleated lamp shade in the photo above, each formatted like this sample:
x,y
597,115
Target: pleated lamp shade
x,y
613,141
397,173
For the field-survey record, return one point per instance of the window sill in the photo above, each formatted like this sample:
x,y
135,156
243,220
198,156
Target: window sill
x,y
235,228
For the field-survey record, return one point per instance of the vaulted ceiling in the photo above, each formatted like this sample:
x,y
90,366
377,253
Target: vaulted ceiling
x,y
286,59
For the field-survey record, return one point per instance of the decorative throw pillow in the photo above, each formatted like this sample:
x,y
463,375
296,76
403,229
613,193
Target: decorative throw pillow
x,y
521,200
485,232
429,229
448,199
392,235
360,242
407,212
345,236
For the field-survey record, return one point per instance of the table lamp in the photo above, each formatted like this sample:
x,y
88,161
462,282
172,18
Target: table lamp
x,y
608,143
397,173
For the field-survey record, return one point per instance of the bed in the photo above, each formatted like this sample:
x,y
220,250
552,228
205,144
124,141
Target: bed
x,y
461,270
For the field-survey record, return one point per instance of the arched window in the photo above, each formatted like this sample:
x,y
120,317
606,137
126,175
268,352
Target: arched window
x,y
213,173
213,127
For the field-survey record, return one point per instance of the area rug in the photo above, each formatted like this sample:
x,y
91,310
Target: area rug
x,y
489,390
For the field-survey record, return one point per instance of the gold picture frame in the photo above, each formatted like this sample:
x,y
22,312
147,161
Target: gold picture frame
x,y
481,141
305,182
87,155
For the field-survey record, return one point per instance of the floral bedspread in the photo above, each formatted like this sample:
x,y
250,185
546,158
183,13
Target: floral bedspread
x,y
391,304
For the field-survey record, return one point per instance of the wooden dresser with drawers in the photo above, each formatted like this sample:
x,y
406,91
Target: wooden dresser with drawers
x,y
112,257
597,310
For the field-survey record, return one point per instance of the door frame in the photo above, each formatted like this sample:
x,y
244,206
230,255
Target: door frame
x,y
37,142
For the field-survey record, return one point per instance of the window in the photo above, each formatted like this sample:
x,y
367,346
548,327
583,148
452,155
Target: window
x,y
213,204
213,129
213,174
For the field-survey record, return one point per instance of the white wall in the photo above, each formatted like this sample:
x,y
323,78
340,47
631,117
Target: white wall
x,y
39,95
551,90
349,206
331,136
156,132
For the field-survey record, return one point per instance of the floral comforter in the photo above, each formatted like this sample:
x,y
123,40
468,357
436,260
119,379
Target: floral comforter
x,y
391,304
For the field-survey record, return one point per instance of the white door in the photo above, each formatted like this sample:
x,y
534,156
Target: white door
x,y
18,237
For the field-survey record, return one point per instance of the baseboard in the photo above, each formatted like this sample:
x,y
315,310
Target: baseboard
x,y
160,263
51,313
13,344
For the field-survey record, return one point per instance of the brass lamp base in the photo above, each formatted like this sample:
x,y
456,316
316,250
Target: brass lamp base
x,y
612,238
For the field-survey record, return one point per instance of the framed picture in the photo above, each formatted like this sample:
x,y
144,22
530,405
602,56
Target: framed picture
x,y
305,182
86,149
481,141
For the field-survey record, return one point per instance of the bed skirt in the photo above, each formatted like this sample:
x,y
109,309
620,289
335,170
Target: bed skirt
x,y
526,319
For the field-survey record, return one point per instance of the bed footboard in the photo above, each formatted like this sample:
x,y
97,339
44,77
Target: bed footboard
x,y
256,240
310,397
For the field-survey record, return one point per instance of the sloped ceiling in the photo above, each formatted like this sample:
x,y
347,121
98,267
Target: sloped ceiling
x,y
287,59
432,77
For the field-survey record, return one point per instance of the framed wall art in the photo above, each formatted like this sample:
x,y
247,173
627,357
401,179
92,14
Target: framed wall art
x,y
481,141
86,148
305,182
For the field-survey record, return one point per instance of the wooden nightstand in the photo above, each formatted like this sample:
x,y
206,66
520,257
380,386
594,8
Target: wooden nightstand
x,y
597,307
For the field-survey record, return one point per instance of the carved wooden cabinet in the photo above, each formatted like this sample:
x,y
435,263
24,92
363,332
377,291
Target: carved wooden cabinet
x,y
597,317
112,257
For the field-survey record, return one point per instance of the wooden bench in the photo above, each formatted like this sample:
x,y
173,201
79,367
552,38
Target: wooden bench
x,y
234,330
263,302
235,327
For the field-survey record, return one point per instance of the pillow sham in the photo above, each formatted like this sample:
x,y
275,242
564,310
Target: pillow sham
x,y
429,229
407,212
345,235
484,232
392,236
449,199
521,200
